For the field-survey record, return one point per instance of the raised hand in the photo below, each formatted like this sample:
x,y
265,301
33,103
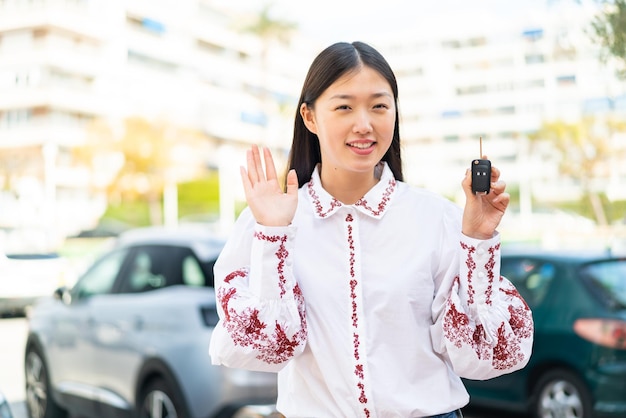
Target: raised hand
x,y
269,204
483,213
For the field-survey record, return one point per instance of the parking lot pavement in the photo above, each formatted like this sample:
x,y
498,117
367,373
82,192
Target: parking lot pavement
x,y
13,333
12,342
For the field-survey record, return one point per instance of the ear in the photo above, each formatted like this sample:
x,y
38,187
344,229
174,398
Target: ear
x,y
308,117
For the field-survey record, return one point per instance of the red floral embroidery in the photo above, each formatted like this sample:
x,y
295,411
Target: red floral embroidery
x,y
247,329
456,327
281,254
319,208
236,273
471,266
383,201
224,298
359,370
489,266
507,353
459,330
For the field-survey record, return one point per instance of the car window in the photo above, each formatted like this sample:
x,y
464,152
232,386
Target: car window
x,y
153,267
192,272
100,278
610,278
530,277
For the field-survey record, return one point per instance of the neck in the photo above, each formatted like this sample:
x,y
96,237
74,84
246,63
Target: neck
x,y
348,187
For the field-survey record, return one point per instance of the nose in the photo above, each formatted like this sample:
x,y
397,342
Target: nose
x,y
362,122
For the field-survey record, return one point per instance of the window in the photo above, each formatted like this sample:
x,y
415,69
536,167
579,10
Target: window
x,y
477,89
607,278
101,277
531,277
533,35
450,114
149,268
566,80
145,273
534,58
192,272
152,267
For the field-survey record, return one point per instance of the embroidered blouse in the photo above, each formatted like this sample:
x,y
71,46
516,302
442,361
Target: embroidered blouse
x,y
374,309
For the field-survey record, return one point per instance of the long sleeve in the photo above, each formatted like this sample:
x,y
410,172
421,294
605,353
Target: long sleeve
x,y
262,316
483,325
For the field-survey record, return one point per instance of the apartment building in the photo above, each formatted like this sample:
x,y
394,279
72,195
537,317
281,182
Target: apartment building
x,y
470,76
67,63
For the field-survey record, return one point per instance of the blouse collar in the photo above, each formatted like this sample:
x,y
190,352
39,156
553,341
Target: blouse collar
x,y
374,203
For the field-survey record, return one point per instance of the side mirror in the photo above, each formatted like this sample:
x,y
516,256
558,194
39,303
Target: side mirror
x,y
63,294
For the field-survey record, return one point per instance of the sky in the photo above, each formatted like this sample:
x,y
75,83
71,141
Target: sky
x,y
350,20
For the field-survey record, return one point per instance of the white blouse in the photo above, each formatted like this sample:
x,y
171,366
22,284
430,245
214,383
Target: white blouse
x,y
368,310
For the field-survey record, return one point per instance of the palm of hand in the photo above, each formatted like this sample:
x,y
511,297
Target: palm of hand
x,y
269,205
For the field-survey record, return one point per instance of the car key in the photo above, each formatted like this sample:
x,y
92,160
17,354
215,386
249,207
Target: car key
x,y
481,173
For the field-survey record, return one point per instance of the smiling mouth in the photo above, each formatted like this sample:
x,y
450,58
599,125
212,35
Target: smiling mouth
x,y
362,145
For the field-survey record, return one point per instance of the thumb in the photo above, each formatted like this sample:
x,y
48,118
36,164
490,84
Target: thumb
x,y
292,182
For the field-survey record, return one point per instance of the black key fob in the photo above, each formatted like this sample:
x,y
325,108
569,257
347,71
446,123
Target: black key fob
x,y
481,176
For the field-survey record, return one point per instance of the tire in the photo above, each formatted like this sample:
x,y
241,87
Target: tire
x,y
39,400
561,393
158,399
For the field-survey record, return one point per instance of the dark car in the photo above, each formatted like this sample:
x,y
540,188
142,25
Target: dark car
x,y
131,338
578,365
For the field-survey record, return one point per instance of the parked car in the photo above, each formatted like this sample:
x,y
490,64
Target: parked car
x,y
5,409
131,338
27,276
578,365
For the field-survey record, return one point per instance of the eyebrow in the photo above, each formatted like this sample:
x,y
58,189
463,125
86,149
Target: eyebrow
x,y
349,96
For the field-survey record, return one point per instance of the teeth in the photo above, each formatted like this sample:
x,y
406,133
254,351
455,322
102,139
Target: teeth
x,y
361,145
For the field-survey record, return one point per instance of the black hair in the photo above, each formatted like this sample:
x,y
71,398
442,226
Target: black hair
x,y
331,64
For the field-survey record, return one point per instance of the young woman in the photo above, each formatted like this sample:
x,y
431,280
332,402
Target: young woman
x,y
370,298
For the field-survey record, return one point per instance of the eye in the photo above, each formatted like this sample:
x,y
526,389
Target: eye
x,y
342,107
381,106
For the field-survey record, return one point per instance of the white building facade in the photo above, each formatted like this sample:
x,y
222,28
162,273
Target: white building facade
x,y
67,63
468,78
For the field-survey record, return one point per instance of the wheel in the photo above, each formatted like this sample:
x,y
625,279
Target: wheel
x,y
39,401
158,400
559,393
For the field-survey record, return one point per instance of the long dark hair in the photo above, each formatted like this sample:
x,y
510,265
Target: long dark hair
x,y
331,64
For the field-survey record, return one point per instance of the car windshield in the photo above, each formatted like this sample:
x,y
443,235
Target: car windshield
x,y
610,278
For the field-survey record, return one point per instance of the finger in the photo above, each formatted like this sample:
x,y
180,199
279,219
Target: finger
x,y
501,201
498,187
292,182
257,163
251,173
245,180
495,174
270,168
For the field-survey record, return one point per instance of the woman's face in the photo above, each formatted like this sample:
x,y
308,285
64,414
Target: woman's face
x,y
354,121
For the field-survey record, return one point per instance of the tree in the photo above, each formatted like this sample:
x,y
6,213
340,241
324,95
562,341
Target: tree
x,y
586,149
609,29
142,162
269,30
18,162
